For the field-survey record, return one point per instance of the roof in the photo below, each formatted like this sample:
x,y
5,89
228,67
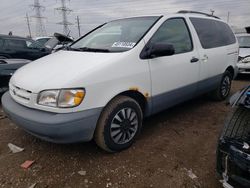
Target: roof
x,y
45,37
13,37
197,13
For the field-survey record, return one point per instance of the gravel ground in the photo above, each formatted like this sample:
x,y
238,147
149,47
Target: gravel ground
x,y
173,144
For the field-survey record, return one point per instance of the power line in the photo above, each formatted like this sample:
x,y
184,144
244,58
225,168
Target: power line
x,y
40,28
64,11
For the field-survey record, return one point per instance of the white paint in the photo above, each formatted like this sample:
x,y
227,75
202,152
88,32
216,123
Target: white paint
x,y
105,75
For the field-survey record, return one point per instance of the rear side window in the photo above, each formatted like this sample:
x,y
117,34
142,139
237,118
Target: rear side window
x,y
1,43
213,33
13,43
174,31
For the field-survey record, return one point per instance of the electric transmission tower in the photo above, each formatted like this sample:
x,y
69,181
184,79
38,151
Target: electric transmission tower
x,y
40,28
64,11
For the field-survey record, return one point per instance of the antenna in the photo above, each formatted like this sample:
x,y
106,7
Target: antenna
x,y
64,11
40,28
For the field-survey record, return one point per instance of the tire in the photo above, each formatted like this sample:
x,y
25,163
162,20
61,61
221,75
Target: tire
x,y
223,90
119,124
238,124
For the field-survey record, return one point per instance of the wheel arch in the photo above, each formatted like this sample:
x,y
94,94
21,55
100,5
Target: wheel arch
x,y
231,70
142,99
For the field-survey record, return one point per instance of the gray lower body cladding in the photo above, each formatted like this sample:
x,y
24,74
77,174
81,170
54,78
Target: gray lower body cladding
x,y
171,98
53,127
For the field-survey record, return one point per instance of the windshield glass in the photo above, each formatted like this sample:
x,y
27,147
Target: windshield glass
x,y
51,43
244,41
116,36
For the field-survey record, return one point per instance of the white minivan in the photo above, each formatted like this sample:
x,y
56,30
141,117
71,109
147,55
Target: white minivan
x,y
105,83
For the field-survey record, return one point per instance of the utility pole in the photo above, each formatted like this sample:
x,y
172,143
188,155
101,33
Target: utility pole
x,y
212,12
40,28
228,15
64,11
78,25
28,24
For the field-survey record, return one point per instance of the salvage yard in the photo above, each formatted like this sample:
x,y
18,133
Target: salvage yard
x,y
177,148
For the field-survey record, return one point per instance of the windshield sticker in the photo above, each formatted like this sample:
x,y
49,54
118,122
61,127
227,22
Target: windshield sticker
x,y
123,45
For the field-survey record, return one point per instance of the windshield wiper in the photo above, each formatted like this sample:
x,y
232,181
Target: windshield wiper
x,y
71,49
86,49
244,46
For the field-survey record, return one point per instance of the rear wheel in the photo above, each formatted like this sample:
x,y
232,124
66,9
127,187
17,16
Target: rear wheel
x,y
119,124
223,90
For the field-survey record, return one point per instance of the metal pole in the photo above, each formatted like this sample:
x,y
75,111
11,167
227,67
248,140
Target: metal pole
x,y
212,12
78,25
28,23
228,15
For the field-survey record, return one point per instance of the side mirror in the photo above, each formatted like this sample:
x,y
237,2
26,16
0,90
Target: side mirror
x,y
43,49
158,49
161,49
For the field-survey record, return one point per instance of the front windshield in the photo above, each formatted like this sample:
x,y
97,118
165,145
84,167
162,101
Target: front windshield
x,y
116,36
244,41
51,43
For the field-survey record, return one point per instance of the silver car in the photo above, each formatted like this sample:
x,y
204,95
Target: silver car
x,y
244,53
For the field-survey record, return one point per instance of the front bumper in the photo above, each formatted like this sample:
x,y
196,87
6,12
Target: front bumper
x,y
53,127
233,164
243,68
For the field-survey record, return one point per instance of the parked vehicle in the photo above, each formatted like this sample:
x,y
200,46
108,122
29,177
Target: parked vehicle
x,y
233,153
42,40
244,53
21,48
58,42
105,83
7,69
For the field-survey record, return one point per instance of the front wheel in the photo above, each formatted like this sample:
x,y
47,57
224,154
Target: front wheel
x,y
119,124
223,90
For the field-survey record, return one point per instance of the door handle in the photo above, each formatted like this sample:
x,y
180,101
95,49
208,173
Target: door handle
x,y
194,59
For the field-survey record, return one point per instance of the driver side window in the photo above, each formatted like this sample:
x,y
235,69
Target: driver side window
x,y
174,31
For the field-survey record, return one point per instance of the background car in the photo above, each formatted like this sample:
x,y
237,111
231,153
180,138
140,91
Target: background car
x,y
233,152
7,69
58,41
42,40
244,53
21,48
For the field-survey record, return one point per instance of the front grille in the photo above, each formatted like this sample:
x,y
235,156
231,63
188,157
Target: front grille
x,y
20,93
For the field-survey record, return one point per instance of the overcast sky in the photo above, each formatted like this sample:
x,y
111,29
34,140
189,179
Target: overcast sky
x,y
95,12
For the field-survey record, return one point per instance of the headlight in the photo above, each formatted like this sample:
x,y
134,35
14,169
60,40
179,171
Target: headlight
x,y
245,60
63,98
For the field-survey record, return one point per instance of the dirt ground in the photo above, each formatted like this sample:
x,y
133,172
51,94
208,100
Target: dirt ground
x,y
172,143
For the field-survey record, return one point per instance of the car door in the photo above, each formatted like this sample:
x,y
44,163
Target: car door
x,y
213,53
174,78
15,48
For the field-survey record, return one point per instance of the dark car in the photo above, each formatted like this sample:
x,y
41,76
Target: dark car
x,y
21,48
7,69
233,152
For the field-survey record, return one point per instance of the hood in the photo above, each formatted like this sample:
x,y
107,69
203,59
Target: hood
x,y
58,70
244,52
